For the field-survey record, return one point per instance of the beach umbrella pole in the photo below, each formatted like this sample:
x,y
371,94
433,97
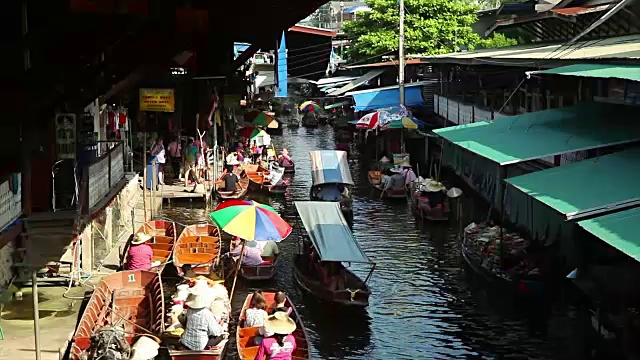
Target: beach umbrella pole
x,y
235,277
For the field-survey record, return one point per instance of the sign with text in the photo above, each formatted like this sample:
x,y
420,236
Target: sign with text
x,y
162,100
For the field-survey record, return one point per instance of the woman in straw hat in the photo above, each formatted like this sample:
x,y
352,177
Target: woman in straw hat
x,y
202,329
281,344
140,254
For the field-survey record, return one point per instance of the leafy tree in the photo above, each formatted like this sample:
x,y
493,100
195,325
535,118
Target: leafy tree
x,y
496,40
431,27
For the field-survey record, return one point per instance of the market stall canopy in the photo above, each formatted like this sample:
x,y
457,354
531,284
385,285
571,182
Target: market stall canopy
x,y
513,139
372,99
619,230
329,232
572,191
357,82
329,166
336,105
606,71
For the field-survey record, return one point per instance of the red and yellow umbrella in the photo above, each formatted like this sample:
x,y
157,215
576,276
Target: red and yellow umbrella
x,y
310,106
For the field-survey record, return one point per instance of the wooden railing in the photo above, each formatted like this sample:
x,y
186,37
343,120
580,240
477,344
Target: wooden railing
x,y
104,173
10,200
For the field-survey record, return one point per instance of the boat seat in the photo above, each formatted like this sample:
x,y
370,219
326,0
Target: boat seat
x,y
250,352
158,239
246,338
195,258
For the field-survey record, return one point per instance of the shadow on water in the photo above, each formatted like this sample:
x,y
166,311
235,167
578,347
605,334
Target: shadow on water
x,y
421,307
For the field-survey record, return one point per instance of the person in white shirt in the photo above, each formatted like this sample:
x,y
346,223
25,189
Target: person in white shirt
x,y
159,152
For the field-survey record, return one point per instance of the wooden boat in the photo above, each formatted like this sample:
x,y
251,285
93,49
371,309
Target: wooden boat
x,y
199,246
310,120
392,193
245,335
241,189
163,235
329,234
432,214
258,182
259,272
290,169
126,304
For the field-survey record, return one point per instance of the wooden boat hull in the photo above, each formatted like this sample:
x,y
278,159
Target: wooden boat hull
x,y
163,240
257,182
243,187
199,246
134,299
260,272
392,193
340,297
196,355
245,335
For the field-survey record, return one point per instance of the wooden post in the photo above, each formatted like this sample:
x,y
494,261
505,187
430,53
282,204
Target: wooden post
x,y
235,278
144,164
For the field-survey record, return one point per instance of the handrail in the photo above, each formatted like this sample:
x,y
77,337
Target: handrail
x,y
10,202
104,173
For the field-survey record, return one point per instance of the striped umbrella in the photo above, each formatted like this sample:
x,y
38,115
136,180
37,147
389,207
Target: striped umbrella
x,y
264,119
310,106
250,220
372,120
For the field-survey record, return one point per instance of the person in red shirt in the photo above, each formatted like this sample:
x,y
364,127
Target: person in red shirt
x,y
140,254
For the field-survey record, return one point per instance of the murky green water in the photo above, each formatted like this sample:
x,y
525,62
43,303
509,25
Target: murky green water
x,y
421,305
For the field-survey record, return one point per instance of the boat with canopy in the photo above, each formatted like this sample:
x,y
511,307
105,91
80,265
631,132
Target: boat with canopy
x,y
330,243
331,178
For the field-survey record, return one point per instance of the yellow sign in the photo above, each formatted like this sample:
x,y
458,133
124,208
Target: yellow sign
x,y
162,100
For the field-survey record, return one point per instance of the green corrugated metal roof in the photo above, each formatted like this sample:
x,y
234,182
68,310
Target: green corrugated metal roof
x,y
628,72
586,187
514,139
619,230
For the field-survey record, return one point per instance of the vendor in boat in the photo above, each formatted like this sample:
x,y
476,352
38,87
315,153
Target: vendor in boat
x,y
284,159
229,178
140,254
409,174
202,329
281,344
397,178
435,193
252,255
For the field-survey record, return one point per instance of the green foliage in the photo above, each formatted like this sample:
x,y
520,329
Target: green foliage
x,y
431,27
495,41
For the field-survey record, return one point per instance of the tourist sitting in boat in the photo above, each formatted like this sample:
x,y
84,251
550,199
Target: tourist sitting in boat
x,y
202,329
229,179
284,159
280,299
252,255
281,344
140,254
268,248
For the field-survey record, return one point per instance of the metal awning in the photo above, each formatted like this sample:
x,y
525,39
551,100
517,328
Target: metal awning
x,y
572,191
619,230
330,167
372,99
329,232
627,72
513,139
357,82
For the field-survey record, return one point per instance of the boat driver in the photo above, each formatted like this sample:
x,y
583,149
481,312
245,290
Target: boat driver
x,y
229,179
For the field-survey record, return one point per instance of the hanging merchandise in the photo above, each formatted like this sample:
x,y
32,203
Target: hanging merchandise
x,y
111,121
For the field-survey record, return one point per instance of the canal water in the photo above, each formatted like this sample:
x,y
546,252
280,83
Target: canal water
x,y
422,306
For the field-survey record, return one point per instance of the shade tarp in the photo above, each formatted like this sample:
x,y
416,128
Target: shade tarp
x,y
514,139
357,82
329,166
586,187
627,72
376,99
329,232
619,230
336,105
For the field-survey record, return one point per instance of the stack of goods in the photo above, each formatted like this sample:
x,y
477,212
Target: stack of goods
x,y
220,306
482,243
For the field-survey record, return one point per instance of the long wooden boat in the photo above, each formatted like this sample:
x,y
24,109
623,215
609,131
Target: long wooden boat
x,y
258,182
128,303
330,236
432,214
241,188
356,294
331,168
392,193
290,169
163,239
245,335
199,246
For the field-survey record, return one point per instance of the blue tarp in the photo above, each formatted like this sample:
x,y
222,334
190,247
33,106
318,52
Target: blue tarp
x,y
281,63
239,48
373,99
